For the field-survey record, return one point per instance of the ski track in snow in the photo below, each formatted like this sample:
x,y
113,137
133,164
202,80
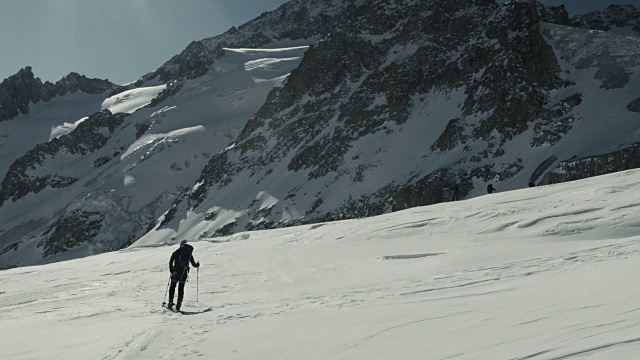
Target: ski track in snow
x,y
544,273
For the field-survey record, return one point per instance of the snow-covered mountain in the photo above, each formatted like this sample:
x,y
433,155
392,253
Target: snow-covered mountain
x,y
620,19
316,111
20,92
617,19
414,103
101,180
544,273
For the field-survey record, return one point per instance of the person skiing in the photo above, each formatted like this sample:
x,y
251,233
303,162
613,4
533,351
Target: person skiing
x,y
179,267
490,188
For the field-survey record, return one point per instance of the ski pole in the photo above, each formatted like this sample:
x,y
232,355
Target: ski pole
x,y
197,282
164,300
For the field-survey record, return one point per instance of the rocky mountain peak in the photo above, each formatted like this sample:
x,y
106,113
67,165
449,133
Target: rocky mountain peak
x,y
24,88
17,91
613,17
74,82
379,75
554,14
296,20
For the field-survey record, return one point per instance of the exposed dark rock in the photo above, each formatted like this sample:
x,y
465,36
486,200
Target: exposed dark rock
x,y
76,82
262,224
89,136
517,93
23,88
14,246
556,122
440,186
226,230
542,168
142,128
554,14
452,136
576,169
71,231
294,20
614,16
17,91
634,106
101,161
172,89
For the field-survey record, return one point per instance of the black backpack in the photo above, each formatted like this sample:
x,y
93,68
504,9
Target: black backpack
x,y
184,256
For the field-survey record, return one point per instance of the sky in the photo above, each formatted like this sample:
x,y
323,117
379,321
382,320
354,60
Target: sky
x,y
121,40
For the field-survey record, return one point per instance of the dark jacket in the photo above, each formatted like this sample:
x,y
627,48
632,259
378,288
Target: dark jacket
x,y
176,255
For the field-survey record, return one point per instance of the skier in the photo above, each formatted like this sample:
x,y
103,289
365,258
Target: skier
x,y
490,188
179,267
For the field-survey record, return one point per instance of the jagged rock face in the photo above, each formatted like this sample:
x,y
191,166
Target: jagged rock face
x,y
17,91
576,169
348,58
364,81
23,88
295,20
71,231
614,16
634,106
88,137
554,14
102,222
76,82
555,122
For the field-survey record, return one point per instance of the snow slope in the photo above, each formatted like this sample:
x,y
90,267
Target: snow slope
x,y
45,121
542,273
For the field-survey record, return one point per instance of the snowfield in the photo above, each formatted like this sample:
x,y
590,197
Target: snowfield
x,y
543,273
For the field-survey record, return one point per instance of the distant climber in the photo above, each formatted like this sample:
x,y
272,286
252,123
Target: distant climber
x,y
179,267
455,191
490,188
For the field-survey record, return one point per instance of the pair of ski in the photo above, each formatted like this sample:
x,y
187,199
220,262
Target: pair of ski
x,y
172,309
164,305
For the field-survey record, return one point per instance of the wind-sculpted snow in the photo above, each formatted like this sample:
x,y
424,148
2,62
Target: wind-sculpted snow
x,y
301,22
542,273
130,101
